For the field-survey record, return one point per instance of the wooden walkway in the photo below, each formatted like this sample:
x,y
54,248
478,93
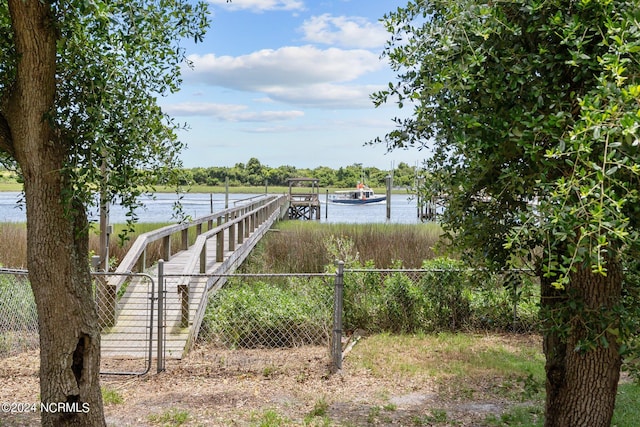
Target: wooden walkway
x,y
186,277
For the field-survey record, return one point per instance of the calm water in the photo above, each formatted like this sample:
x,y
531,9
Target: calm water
x,y
160,208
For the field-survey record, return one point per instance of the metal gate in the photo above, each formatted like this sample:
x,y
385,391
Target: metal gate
x,y
126,314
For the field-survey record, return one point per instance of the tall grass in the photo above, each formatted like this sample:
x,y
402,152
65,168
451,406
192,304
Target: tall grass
x,y
301,246
13,244
293,246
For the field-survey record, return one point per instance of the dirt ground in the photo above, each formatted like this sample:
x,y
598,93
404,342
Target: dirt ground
x,y
262,388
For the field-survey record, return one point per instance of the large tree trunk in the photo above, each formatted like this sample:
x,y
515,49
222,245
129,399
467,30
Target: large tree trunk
x,y
582,380
57,238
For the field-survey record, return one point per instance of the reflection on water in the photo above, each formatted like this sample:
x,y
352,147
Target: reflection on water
x,y
161,207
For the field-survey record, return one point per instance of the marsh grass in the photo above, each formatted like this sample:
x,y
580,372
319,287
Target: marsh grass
x,y
293,246
300,246
13,244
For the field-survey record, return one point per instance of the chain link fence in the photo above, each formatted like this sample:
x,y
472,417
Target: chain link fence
x,y
266,311
18,315
125,315
279,311
436,299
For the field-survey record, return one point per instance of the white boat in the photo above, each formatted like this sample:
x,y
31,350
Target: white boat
x,y
360,196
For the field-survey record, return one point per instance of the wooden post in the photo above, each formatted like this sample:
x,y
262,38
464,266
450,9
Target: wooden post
x,y
326,205
226,197
185,239
105,227
241,231
166,247
389,182
220,243
232,235
142,262
105,303
203,259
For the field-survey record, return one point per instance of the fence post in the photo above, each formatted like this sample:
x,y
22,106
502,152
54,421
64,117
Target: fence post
x,y
160,346
336,343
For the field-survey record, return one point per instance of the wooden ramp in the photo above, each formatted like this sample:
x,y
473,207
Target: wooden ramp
x,y
186,277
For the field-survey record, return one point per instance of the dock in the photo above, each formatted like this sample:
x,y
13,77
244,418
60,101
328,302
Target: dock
x,y
304,198
169,298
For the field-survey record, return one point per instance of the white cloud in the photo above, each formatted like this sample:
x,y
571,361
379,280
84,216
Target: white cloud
x,y
260,5
325,95
291,66
301,75
344,31
229,112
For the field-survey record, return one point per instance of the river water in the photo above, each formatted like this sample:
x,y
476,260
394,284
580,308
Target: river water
x,y
160,208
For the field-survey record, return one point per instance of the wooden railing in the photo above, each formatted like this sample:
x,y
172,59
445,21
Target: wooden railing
x,y
239,227
250,226
237,222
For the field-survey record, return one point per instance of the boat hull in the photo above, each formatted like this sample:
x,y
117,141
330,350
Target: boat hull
x,y
359,201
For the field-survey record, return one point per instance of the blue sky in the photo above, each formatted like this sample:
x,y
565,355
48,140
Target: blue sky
x,y
288,82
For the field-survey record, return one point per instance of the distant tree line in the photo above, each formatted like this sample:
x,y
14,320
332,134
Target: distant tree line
x,y
254,173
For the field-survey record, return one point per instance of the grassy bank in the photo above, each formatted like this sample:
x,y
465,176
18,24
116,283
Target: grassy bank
x,y
13,245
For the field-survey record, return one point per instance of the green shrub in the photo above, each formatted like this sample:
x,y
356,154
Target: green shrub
x,y
446,296
404,304
506,301
447,290
361,301
260,314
